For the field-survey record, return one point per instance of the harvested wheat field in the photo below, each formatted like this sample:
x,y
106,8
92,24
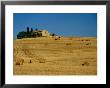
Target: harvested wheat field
x,y
50,56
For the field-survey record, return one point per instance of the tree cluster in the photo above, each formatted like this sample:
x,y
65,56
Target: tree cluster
x,y
27,34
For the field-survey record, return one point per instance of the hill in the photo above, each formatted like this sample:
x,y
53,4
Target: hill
x,y
50,56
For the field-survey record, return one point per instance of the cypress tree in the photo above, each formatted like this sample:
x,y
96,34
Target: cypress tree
x,y
31,30
27,29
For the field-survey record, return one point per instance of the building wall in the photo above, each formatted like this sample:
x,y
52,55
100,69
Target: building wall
x,y
45,33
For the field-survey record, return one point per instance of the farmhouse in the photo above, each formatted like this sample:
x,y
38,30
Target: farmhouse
x,y
43,33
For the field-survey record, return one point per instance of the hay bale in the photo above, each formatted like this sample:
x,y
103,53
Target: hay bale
x,y
57,37
82,40
82,64
42,60
19,61
68,43
30,61
87,40
85,64
88,43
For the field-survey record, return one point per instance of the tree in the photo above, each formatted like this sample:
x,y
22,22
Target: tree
x,y
31,30
21,35
52,34
36,29
34,35
27,29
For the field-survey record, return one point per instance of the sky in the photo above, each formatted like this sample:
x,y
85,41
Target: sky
x,y
64,24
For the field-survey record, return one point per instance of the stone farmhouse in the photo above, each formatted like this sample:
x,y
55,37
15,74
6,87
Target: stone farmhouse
x,y
43,33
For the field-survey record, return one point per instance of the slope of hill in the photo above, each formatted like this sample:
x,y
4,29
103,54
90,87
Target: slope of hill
x,y
49,56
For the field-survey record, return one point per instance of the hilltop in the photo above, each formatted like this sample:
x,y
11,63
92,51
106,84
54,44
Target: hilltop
x,y
34,33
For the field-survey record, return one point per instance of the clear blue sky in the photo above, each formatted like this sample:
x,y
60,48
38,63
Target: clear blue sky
x,y
66,24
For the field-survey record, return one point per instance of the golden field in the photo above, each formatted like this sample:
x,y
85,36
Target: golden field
x,y
47,56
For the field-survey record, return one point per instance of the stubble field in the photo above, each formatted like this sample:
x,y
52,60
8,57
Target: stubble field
x,y
47,56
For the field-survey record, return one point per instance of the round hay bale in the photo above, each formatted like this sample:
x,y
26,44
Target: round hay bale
x,y
42,60
19,61
85,64
68,44
30,61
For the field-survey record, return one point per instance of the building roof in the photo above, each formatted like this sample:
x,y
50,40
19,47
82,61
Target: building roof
x,y
39,30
